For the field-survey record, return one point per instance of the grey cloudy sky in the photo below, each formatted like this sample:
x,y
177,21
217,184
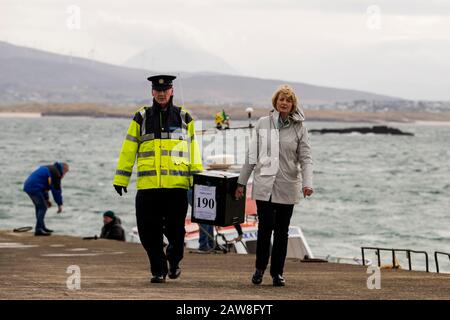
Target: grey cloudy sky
x,y
395,47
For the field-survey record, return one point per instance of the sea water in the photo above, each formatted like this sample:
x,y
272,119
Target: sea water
x,y
370,190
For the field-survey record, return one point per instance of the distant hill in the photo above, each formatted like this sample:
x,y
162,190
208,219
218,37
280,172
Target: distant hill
x,y
172,56
30,75
230,89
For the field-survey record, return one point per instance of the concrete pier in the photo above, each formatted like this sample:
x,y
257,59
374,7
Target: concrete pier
x,y
36,268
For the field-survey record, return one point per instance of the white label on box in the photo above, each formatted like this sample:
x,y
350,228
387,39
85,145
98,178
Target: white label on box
x,y
204,202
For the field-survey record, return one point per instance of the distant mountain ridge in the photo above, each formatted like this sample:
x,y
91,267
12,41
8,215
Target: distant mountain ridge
x,y
30,75
175,57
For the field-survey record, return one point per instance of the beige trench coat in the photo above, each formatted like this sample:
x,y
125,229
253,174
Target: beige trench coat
x,y
280,160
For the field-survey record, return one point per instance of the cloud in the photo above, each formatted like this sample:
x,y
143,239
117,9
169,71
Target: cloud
x,y
407,68
140,32
321,41
389,7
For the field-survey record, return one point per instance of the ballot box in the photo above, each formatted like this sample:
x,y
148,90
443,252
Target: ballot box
x,y
214,201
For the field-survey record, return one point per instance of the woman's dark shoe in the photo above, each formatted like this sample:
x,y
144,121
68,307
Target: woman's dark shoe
x,y
278,281
174,272
47,230
258,276
158,279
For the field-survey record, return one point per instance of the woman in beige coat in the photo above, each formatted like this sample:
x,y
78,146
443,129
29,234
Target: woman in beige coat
x,y
280,158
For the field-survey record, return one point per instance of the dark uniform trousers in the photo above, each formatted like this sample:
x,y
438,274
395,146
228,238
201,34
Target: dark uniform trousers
x,y
162,212
272,217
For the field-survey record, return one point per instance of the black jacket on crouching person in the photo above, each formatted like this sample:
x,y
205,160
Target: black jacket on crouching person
x,y
113,230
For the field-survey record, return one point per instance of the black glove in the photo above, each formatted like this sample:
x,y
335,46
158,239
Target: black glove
x,y
119,189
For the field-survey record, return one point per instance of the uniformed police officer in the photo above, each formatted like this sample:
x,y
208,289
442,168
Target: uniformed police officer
x,y
162,138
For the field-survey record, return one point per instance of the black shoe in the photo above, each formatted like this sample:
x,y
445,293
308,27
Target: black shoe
x,y
42,233
258,276
278,281
47,230
174,272
158,279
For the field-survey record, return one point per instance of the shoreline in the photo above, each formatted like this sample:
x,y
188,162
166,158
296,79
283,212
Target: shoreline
x,y
20,115
348,117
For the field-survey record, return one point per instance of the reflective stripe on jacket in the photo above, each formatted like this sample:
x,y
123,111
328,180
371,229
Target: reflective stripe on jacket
x,y
165,146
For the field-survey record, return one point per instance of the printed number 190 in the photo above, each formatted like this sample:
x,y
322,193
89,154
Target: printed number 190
x,y
204,202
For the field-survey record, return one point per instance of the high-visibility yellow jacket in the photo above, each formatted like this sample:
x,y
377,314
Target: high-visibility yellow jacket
x,y
165,146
